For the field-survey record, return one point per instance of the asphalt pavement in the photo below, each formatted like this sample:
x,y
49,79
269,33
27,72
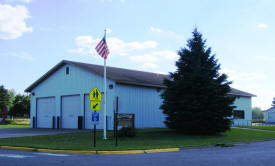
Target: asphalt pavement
x,y
252,154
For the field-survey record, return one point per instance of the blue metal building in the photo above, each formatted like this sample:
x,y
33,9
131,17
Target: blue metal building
x,y
60,98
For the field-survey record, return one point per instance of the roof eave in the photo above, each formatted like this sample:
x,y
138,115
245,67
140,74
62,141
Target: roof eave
x,y
46,75
235,94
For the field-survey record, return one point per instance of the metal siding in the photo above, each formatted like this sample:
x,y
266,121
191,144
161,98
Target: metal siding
x,y
45,112
78,81
244,103
143,102
270,116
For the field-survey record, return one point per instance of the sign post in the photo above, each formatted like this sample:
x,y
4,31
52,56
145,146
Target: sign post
x,y
95,99
95,121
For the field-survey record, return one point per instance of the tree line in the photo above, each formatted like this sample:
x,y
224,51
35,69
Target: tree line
x,y
18,105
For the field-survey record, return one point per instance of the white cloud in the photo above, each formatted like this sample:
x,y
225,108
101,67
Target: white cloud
x,y
12,21
108,30
121,1
148,61
262,25
23,55
23,1
155,56
146,58
155,29
149,66
86,45
170,55
264,58
242,76
168,33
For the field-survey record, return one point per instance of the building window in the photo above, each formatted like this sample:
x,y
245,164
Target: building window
x,y
67,70
238,114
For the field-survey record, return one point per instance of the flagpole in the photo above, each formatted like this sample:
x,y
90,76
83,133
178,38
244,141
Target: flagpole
x,y
105,97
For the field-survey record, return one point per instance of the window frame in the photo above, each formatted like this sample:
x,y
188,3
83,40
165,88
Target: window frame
x,y
67,70
238,114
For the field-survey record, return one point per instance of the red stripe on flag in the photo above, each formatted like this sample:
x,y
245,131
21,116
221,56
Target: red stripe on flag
x,y
99,44
102,48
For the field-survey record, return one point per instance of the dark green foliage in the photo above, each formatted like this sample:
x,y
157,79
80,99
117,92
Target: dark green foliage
x,y
4,98
20,106
273,103
12,94
195,100
127,132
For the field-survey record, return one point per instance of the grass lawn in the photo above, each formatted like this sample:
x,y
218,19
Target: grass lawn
x,y
17,123
145,139
271,128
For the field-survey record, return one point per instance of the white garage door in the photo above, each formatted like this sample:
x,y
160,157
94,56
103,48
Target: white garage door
x,y
45,108
88,115
70,110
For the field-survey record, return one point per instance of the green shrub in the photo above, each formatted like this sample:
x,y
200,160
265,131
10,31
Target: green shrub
x,y
127,132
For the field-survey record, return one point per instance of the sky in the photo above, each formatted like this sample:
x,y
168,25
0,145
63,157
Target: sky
x,y
142,35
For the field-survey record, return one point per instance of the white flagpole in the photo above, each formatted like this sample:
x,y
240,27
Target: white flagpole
x,y
105,98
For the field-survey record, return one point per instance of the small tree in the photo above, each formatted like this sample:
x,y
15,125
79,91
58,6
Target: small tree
x,y
196,99
12,94
257,114
4,98
20,106
273,103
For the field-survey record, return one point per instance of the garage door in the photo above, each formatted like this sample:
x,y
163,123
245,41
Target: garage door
x,y
88,115
70,110
45,108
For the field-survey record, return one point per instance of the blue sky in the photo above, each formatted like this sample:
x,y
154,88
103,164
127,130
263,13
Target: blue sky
x,y
142,35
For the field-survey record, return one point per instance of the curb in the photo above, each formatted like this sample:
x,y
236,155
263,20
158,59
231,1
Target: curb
x,y
66,151
90,152
121,152
17,148
162,150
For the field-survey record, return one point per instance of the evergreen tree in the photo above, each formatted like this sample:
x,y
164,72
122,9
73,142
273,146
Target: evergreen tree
x,y
273,103
4,98
196,99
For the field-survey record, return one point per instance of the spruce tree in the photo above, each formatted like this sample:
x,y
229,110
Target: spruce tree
x,y
4,98
196,99
273,103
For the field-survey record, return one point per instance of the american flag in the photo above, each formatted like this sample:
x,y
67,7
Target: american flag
x,y
102,48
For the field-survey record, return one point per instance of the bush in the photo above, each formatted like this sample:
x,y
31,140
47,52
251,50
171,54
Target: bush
x,y
127,132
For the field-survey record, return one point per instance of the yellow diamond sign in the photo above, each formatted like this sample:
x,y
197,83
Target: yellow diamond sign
x,y
95,95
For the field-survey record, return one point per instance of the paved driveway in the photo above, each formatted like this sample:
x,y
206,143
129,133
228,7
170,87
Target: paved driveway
x,y
20,132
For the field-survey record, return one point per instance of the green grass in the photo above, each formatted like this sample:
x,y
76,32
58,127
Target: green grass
x,y
145,139
271,128
16,123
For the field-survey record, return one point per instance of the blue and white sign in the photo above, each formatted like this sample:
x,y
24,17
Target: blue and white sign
x,y
95,117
